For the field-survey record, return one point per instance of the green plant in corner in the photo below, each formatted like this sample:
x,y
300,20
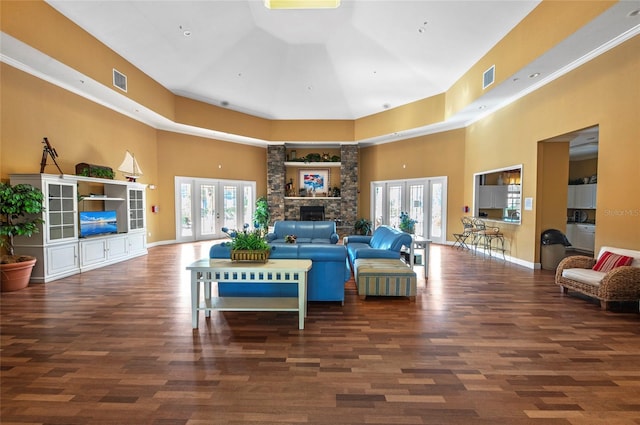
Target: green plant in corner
x,y
19,209
261,216
18,206
362,226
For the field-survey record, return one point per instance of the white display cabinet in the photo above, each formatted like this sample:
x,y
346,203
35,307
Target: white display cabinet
x,y
58,247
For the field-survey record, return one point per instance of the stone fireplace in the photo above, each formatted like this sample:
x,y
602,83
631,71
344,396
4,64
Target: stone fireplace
x,y
343,210
312,212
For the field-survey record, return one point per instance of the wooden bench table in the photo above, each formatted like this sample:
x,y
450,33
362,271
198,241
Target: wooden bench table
x,y
207,270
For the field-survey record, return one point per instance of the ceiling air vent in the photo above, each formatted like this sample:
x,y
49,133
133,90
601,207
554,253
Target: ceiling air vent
x,y
119,80
488,77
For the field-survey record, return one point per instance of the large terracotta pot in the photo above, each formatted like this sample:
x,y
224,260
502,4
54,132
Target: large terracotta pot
x,y
15,276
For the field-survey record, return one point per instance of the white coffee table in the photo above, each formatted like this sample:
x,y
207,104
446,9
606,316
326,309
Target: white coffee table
x,y
207,270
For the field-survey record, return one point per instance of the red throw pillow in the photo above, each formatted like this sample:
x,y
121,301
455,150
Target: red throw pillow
x,y
609,261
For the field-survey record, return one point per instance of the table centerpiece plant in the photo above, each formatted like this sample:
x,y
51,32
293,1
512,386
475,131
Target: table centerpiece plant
x,y
407,224
20,208
248,244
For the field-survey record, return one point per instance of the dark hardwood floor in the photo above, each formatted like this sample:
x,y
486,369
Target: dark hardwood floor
x,y
486,342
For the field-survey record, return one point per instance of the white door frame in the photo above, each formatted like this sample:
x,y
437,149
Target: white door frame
x,y
427,183
244,207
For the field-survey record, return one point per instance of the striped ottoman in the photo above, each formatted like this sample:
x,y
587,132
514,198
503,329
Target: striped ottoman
x,y
384,276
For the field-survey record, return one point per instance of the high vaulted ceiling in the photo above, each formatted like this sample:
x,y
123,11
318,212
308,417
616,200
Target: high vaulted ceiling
x,y
345,63
362,58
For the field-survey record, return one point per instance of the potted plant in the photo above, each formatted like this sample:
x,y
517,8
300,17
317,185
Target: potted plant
x,y
362,226
261,216
248,245
18,206
407,224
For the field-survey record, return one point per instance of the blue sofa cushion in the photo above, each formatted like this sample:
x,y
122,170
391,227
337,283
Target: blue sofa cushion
x,y
306,232
386,242
325,281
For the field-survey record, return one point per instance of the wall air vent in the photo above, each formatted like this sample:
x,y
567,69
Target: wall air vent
x,y
119,80
488,77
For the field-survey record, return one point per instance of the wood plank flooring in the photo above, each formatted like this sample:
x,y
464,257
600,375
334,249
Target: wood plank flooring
x,y
486,342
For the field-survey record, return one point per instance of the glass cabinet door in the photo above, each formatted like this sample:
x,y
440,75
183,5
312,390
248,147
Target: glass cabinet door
x,y
136,209
61,212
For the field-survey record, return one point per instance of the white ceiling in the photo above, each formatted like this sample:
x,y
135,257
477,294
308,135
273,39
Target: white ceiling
x,y
362,58
343,63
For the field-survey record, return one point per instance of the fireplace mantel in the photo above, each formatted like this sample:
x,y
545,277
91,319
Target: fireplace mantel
x,y
343,209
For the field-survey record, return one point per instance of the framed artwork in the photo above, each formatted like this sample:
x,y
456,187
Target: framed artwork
x,y
314,181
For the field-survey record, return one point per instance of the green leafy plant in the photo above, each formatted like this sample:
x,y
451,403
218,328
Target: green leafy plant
x,y
407,224
261,216
247,240
362,226
18,206
101,172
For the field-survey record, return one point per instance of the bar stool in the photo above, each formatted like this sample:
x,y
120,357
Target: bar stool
x,y
488,236
467,231
479,226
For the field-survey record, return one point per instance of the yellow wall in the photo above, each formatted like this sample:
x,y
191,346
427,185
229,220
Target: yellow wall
x,y
79,131
312,130
190,156
604,92
42,27
583,168
83,131
553,169
542,29
416,114
427,156
204,115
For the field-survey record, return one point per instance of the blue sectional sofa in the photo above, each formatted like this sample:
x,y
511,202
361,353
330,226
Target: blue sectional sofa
x,y
317,232
386,242
325,280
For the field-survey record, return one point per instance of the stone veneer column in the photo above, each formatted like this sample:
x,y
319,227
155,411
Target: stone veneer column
x,y
345,209
349,184
275,181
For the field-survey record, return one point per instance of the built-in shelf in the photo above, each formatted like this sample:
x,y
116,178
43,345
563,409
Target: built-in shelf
x,y
58,247
312,164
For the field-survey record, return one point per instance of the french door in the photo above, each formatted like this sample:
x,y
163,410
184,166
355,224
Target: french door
x,y
423,199
205,206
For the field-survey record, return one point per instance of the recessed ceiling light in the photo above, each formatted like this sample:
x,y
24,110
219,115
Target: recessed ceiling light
x,y
534,75
301,4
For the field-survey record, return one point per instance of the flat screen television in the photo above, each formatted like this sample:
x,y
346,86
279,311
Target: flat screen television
x,y
94,223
